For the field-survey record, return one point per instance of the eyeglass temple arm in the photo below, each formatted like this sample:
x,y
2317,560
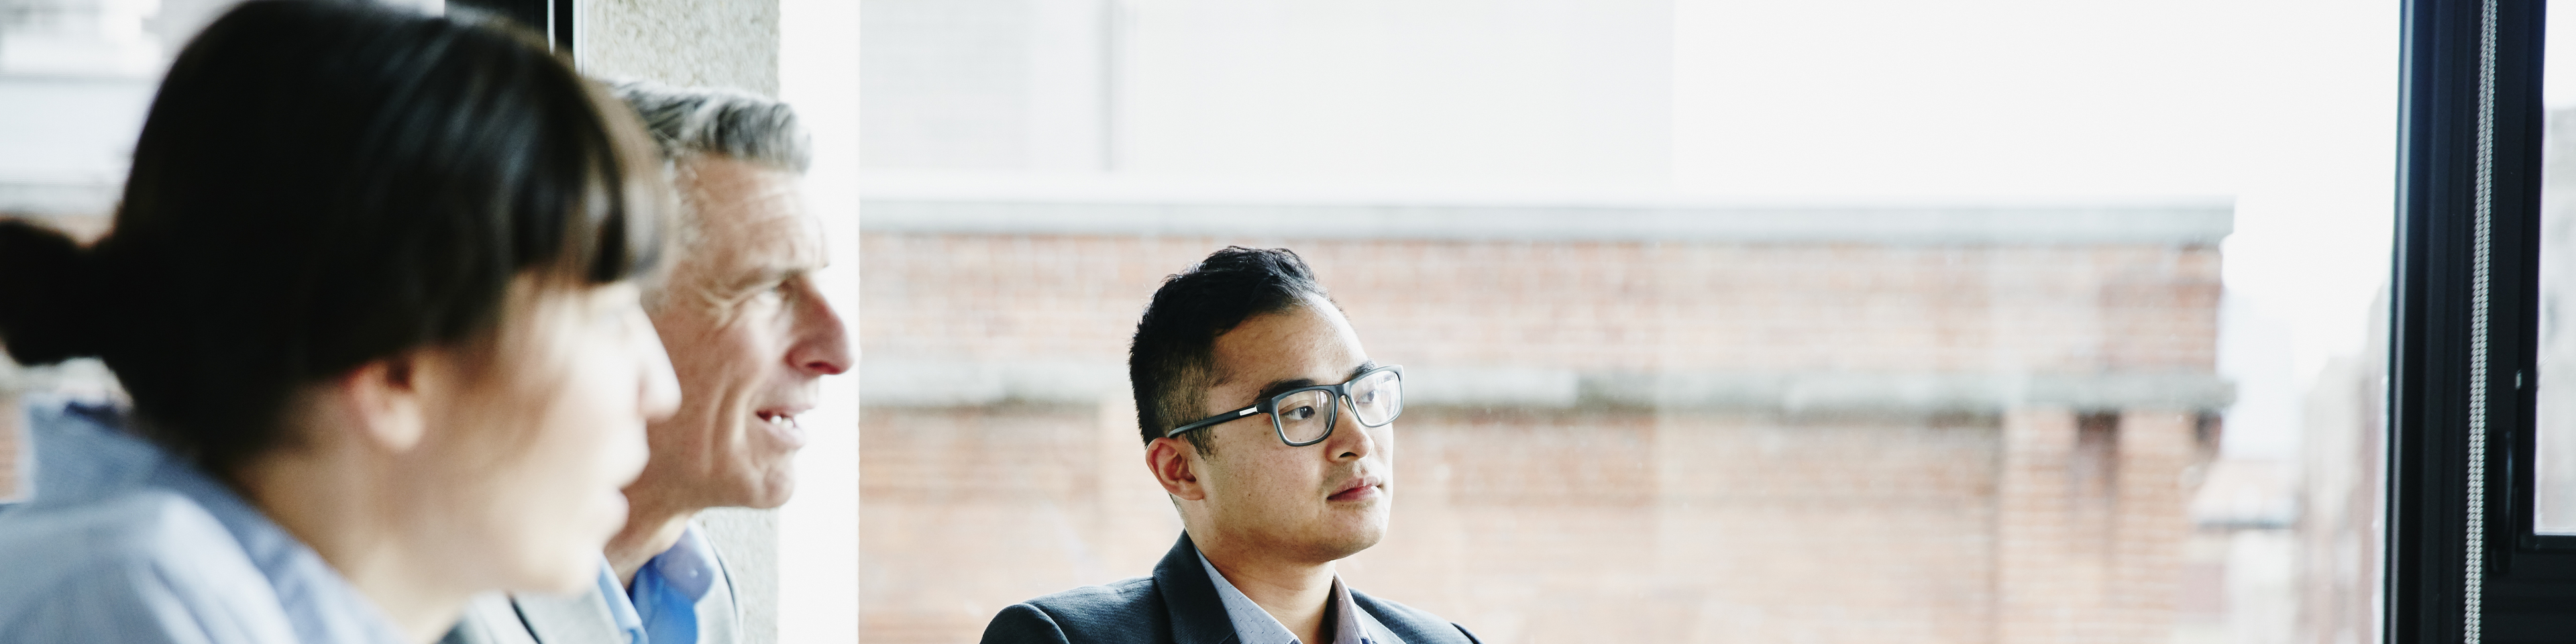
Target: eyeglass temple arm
x,y
1211,420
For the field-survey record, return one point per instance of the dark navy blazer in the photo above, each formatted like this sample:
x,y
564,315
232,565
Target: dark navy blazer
x,y
1178,605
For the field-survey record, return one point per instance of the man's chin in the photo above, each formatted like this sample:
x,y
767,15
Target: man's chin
x,y
1353,544
771,493
1350,539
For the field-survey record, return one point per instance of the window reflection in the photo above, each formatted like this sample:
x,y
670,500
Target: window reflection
x,y
2554,493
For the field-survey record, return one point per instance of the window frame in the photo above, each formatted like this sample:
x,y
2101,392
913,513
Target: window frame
x,y
2463,561
553,19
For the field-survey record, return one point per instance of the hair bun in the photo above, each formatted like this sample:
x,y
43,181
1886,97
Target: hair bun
x,y
43,293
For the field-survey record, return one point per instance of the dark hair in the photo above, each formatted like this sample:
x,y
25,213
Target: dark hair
x,y
321,184
1173,360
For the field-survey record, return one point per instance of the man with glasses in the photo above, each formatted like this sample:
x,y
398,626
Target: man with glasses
x,y
1274,435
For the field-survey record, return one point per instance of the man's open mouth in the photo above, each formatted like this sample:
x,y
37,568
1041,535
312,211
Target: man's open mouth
x,y
782,424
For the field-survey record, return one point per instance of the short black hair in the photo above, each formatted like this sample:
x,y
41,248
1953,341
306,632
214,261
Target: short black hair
x,y
320,184
1172,363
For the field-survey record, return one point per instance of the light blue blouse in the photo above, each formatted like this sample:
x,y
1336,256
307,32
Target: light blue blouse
x,y
124,543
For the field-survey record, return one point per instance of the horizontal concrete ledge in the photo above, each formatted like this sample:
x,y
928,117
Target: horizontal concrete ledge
x,y
938,384
2162,224
57,198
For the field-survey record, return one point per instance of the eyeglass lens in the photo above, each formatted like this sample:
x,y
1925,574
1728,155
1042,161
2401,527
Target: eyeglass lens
x,y
1306,416
1378,398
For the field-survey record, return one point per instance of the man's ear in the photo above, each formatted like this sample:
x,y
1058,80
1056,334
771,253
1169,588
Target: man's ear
x,y
384,397
1175,464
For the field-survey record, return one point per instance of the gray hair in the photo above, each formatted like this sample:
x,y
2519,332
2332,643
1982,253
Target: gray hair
x,y
693,121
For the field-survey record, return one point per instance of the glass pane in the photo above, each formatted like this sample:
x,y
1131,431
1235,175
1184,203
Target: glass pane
x,y
1305,415
2554,493
1927,322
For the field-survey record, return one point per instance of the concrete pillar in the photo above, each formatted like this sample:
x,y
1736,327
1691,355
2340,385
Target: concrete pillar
x,y
720,43
2090,523
2042,584
2156,446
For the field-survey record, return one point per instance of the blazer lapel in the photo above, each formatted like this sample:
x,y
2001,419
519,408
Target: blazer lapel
x,y
1198,617
568,619
720,612
489,619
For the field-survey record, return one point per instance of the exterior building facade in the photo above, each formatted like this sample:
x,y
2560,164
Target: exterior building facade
x,y
1625,423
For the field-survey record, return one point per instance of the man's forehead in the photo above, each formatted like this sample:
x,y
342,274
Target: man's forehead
x,y
757,216
754,190
1308,342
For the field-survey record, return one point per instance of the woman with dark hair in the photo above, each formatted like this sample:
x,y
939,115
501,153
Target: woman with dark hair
x,y
370,292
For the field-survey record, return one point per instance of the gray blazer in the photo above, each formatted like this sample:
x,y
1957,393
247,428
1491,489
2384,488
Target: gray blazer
x,y
1178,605
583,618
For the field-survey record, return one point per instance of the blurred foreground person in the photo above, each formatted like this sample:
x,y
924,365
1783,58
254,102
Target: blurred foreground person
x,y
371,291
750,336
1274,434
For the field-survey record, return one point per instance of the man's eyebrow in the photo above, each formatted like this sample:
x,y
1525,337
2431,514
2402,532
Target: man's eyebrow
x,y
763,277
1277,387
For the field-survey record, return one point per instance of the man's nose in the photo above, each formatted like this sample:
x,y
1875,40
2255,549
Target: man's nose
x,y
1351,440
822,345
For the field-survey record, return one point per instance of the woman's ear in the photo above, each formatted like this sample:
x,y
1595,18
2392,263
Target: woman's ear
x,y
1175,464
384,398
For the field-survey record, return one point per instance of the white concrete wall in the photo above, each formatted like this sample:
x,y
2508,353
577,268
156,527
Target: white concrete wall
x,y
723,43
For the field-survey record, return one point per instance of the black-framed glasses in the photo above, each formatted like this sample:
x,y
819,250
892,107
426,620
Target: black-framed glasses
x,y
1306,415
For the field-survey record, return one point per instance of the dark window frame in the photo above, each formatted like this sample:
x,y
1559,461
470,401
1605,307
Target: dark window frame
x,y
553,19
2463,60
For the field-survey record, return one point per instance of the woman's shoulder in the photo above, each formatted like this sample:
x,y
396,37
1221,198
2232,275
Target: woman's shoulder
x,y
84,452
143,565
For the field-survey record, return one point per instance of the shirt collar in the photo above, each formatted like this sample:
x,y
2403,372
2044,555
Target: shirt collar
x,y
1253,625
669,586
689,567
81,455
621,611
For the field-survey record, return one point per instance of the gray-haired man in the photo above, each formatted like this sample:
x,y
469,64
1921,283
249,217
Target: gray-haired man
x,y
750,337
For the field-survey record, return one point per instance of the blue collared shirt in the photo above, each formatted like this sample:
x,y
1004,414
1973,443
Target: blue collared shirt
x,y
1254,625
620,612
123,542
668,588
662,606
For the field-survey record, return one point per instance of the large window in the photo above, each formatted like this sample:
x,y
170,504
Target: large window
x,y
1931,322
1974,321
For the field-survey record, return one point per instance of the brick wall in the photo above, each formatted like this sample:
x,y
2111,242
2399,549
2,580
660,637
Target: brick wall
x,y
1629,306
1585,521
1526,527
